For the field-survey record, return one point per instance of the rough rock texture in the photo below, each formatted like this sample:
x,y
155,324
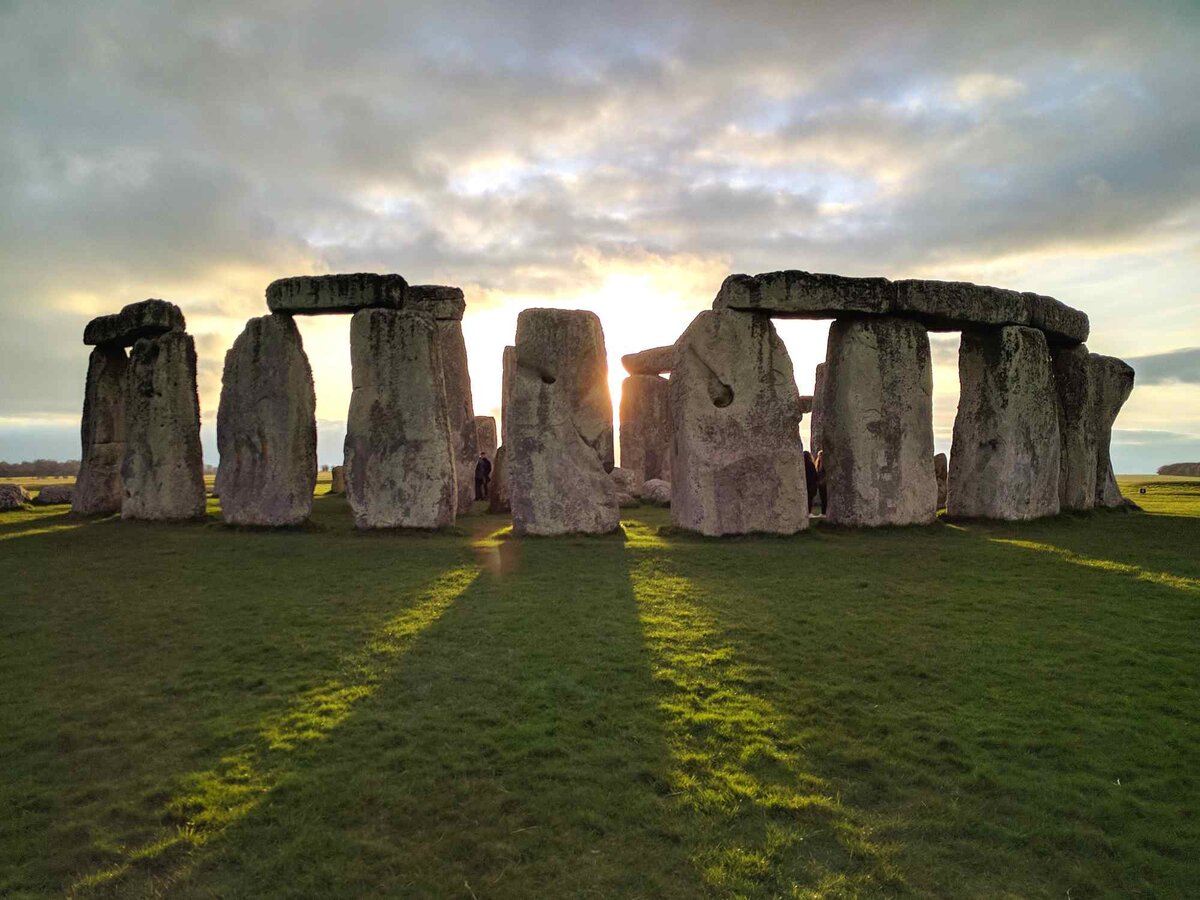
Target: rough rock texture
x,y
53,494
267,426
940,474
1076,386
460,406
163,467
558,428
806,404
939,305
646,426
12,496
878,439
1004,460
657,491
485,435
498,499
626,501
337,480
655,361
1182,468
816,419
737,464
399,456
312,295
441,301
627,481
149,318
1113,384
98,489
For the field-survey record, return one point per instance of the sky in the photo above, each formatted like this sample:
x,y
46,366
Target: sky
x,y
622,157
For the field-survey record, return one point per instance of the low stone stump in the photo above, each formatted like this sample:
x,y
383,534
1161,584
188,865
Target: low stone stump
x,y
312,295
1074,379
627,481
12,497
941,471
485,435
878,440
558,429
267,426
399,457
163,467
657,491
1004,460
54,495
646,426
1113,383
337,480
737,463
98,487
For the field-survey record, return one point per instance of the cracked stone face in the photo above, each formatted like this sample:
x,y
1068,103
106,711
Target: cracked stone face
x,y
460,406
98,489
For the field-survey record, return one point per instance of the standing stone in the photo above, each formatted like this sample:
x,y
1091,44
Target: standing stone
x,y
1113,384
498,499
460,407
646,427
940,473
485,434
399,456
267,426
98,489
508,372
559,426
163,468
737,462
337,480
498,495
816,421
1004,460
1075,382
878,439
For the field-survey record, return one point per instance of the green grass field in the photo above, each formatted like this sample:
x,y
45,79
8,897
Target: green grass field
x,y
956,711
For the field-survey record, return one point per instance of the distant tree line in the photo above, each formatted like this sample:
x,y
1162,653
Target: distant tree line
x,y
39,468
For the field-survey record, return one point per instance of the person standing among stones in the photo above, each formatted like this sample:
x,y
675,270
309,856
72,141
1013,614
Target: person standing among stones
x,y
483,476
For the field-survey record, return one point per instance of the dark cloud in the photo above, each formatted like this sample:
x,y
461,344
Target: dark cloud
x,y
1173,367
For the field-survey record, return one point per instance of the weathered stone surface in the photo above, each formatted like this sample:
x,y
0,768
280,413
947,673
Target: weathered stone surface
x,y
508,372
737,464
163,467
816,419
399,457
13,496
1075,383
558,426
627,501
498,499
337,480
657,491
460,406
939,305
1191,470
267,426
878,439
941,473
1113,384
98,489
147,318
1004,461
655,361
312,295
485,435
806,404
54,494
646,426
627,481
441,301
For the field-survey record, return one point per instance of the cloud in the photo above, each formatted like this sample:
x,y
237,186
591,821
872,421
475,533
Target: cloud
x,y
1172,367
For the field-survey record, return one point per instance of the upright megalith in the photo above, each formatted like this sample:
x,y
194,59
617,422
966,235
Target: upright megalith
x,y
1113,379
485,435
646,427
163,467
1075,384
267,426
558,427
879,437
737,464
941,472
498,499
337,480
498,496
399,458
98,489
1004,460
816,419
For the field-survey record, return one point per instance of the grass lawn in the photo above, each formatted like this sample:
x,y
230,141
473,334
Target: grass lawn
x,y
957,711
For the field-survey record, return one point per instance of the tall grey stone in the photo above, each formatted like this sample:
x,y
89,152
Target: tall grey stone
x,y
163,467
98,489
816,420
737,463
1075,383
508,373
1113,384
485,434
1004,460
498,498
267,426
399,458
558,426
461,408
878,439
646,427
941,472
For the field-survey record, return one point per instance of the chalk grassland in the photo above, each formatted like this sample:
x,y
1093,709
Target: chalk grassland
x,y
977,711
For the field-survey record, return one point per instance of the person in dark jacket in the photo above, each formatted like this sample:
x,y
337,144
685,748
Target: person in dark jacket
x,y
483,475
